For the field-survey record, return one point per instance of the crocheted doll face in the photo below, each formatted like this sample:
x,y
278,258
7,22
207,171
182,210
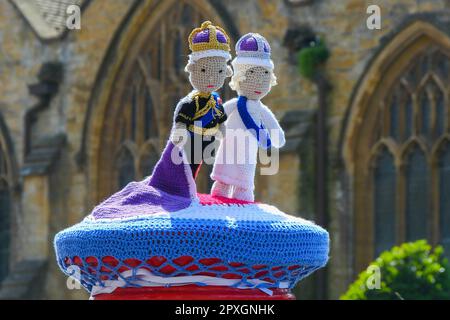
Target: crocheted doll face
x,y
255,83
208,74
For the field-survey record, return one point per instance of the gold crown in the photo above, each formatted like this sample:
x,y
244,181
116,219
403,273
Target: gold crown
x,y
197,43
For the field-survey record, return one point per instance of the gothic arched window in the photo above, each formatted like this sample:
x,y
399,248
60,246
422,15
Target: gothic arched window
x,y
415,120
5,214
417,195
385,182
5,207
444,197
396,186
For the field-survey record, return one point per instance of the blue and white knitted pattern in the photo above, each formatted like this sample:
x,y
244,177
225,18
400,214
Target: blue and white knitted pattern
x,y
247,240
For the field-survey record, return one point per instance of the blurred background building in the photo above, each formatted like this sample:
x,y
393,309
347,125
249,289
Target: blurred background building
x,y
83,112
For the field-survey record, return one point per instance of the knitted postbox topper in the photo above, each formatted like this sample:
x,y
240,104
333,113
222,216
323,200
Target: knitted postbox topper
x,y
159,232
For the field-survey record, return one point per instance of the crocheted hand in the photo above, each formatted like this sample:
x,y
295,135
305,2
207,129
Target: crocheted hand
x,y
179,134
221,132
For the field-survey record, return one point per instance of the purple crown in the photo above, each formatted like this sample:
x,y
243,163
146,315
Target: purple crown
x,y
209,40
253,45
203,36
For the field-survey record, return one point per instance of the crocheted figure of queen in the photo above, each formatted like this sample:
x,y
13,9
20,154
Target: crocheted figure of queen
x,y
199,117
250,123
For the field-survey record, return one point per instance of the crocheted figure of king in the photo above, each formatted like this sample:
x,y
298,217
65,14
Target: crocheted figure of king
x,y
159,239
199,117
250,123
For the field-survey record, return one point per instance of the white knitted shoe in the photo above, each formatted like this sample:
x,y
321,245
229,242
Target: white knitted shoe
x,y
243,194
221,189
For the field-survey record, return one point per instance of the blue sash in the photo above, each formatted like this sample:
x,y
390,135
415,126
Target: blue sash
x,y
264,141
208,117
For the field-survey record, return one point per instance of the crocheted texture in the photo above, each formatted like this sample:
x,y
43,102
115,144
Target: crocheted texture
x,y
209,37
208,74
234,241
155,194
173,235
221,189
253,48
257,129
245,194
253,82
139,198
203,114
208,199
253,45
160,225
166,172
256,83
236,157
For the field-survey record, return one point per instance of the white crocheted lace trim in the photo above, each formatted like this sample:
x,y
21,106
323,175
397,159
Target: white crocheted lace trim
x,y
208,53
144,278
267,63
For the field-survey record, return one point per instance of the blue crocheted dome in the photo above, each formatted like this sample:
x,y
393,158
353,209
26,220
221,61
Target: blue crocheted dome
x,y
250,235
156,233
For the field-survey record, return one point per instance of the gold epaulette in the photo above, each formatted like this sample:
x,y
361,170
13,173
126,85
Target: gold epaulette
x,y
204,131
211,104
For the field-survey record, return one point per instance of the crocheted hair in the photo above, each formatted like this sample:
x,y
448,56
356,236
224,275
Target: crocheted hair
x,y
242,72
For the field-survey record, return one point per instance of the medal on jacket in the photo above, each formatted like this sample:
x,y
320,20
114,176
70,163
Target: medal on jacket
x,y
207,114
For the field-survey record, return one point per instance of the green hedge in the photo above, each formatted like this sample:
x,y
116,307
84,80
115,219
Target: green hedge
x,y
411,271
311,58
